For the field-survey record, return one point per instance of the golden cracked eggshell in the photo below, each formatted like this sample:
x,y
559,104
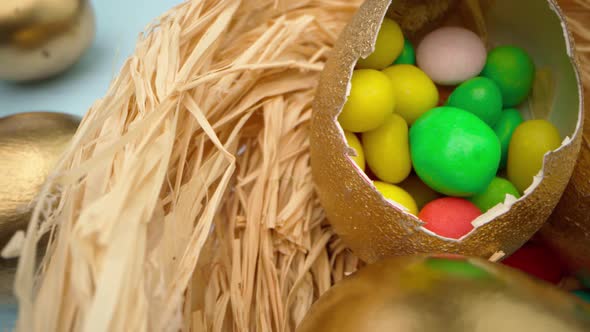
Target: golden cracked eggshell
x,y
411,294
41,38
372,227
30,145
568,228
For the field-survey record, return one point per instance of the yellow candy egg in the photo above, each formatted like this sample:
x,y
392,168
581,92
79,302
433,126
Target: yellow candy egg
x,y
354,143
529,144
370,101
387,150
397,195
389,45
414,91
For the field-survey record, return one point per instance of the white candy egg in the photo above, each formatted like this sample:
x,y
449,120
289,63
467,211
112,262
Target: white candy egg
x,y
451,55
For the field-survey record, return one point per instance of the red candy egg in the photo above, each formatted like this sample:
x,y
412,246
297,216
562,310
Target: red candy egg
x,y
538,261
450,217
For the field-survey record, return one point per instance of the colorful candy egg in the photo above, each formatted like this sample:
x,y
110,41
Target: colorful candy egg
x,y
387,151
509,120
370,101
450,217
494,194
582,294
513,70
451,55
528,146
389,45
397,195
414,91
480,96
454,152
408,55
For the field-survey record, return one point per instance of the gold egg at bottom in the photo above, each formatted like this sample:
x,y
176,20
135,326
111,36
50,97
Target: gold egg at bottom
x,y
42,38
435,294
30,145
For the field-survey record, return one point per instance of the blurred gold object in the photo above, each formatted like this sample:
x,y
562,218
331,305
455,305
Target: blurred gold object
x,y
435,294
41,38
30,145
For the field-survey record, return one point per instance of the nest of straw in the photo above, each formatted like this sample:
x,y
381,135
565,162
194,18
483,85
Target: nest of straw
x,y
185,201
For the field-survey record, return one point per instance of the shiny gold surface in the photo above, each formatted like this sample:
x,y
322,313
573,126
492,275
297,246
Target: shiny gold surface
x,y
41,38
374,229
421,294
568,229
30,145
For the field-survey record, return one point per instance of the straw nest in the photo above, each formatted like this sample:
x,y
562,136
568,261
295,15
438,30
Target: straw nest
x,y
185,200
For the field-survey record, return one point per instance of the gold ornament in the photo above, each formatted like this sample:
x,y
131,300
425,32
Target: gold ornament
x,y
374,228
41,38
30,145
435,294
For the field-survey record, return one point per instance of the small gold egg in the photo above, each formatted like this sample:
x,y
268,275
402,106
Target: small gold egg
x,y
42,38
435,294
30,145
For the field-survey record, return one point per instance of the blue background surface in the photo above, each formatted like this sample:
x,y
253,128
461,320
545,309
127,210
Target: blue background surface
x,y
118,24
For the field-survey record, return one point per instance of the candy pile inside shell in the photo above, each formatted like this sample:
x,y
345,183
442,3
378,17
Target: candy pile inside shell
x,y
411,294
374,226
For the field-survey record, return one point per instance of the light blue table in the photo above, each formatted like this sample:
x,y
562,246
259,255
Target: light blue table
x,y
118,26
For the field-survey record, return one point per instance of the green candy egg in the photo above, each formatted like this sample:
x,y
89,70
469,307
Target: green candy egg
x,y
408,55
454,152
582,294
494,194
513,70
504,128
480,96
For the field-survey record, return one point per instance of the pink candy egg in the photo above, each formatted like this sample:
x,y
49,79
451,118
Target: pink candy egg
x,y
451,55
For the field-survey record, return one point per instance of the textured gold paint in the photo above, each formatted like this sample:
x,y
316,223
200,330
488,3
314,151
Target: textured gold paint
x,y
568,229
30,145
404,294
41,38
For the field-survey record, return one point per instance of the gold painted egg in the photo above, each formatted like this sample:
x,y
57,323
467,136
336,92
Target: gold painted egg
x,y
41,38
372,226
435,294
30,145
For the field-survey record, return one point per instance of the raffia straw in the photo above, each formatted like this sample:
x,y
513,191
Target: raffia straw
x,y
186,196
